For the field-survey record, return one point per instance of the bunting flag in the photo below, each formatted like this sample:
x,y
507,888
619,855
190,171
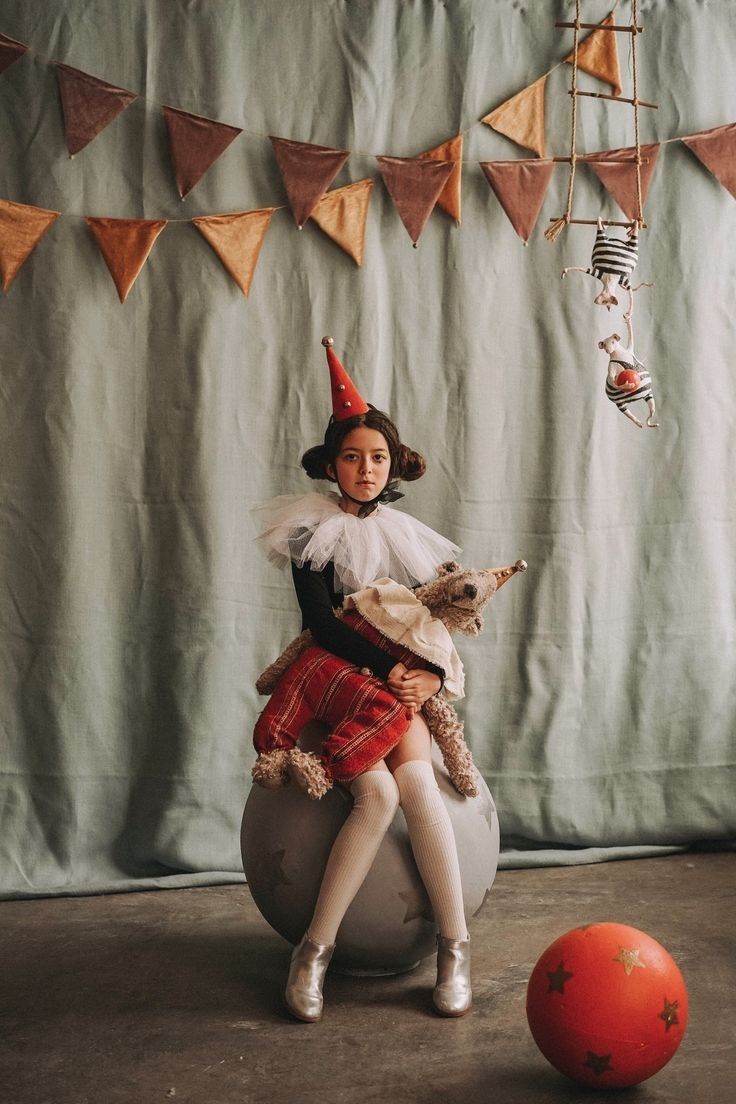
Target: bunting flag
x,y
449,197
522,117
307,171
21,229
237,239
520,187
598,55
125,245
195,144
89,104
342,215
415,186
716,149
10,51
620,179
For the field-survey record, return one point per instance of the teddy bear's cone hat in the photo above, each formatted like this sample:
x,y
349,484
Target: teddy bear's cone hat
x,y
346,398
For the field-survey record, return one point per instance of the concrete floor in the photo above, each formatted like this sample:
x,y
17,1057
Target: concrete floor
x,y
175,997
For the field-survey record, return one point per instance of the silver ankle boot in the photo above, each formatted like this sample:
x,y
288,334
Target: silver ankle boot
x,y
452,995
309,962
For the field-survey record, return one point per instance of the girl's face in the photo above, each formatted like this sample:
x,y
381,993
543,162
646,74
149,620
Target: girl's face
x,y
362,467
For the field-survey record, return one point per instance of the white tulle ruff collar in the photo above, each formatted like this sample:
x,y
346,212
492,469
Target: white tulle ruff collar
x,y
312,528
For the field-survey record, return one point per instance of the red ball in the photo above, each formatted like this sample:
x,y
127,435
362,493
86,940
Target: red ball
x,y
607,1005
628,379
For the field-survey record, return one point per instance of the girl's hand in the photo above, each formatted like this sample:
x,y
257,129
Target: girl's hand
x,y
412,688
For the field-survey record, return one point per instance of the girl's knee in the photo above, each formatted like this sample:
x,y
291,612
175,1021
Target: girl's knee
x,y
377,793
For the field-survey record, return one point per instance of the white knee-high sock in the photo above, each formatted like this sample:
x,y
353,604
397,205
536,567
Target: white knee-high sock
x,y
433,844
376,799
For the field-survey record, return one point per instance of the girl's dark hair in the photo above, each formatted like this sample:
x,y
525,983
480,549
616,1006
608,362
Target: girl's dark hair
x,y
405,462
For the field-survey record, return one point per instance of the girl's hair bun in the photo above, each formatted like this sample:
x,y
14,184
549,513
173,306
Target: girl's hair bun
x,y
315,461
410,464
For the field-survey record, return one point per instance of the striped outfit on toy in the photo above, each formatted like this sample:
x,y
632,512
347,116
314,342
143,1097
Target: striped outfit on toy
x,y
613,257
619,395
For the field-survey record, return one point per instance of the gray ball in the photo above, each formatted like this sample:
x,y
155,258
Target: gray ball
x,y
286,839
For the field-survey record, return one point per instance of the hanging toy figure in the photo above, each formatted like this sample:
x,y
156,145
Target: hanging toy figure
x,y
613,262
628,380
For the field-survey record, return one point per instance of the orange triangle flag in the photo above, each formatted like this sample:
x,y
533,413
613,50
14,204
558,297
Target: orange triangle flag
x,y
449,198
10,51
195,144
520,187
308,171
125,245
415,186
598,55
342,215
620,179
237,239
522,117
21,229
716,149
89,104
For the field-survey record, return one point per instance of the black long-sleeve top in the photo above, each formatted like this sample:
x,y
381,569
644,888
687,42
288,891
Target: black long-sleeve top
x,y
315,591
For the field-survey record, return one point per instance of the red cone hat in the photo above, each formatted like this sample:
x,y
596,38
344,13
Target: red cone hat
x,y
346,398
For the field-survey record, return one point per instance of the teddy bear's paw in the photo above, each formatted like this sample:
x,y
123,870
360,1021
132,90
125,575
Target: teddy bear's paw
x,y
270,769
266,683
306,770
465,784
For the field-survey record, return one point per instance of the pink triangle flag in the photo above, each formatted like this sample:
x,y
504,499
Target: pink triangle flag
x,y
619,178
520,187
10,51
414,184
716,149
196,143
89,104
307,171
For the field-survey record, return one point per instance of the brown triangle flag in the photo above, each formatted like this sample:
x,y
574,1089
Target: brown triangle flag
x,y
195,144
716,148
89,104
520,187
415,186
307,171
21,229
125,245
620,178
342,215
237,239
10,51
449,198
522,117
598,55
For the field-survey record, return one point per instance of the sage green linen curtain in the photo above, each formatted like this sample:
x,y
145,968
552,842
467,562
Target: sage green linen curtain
x,y
136,612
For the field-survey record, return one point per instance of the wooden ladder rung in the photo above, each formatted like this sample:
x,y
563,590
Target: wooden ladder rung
x,y
599,27
608,96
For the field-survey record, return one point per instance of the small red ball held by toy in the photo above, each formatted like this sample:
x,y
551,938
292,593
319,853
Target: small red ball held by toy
x,y
628,380
607,1005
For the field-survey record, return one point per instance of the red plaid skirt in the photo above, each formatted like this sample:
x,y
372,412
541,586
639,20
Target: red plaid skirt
x,y
366,721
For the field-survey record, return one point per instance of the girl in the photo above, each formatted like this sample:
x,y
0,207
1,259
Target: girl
x,y
336,545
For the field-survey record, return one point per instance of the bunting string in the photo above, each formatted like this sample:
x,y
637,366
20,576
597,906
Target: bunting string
x,y
415,184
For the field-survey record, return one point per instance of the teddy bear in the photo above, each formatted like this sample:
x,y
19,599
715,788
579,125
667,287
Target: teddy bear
x,y
451,603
